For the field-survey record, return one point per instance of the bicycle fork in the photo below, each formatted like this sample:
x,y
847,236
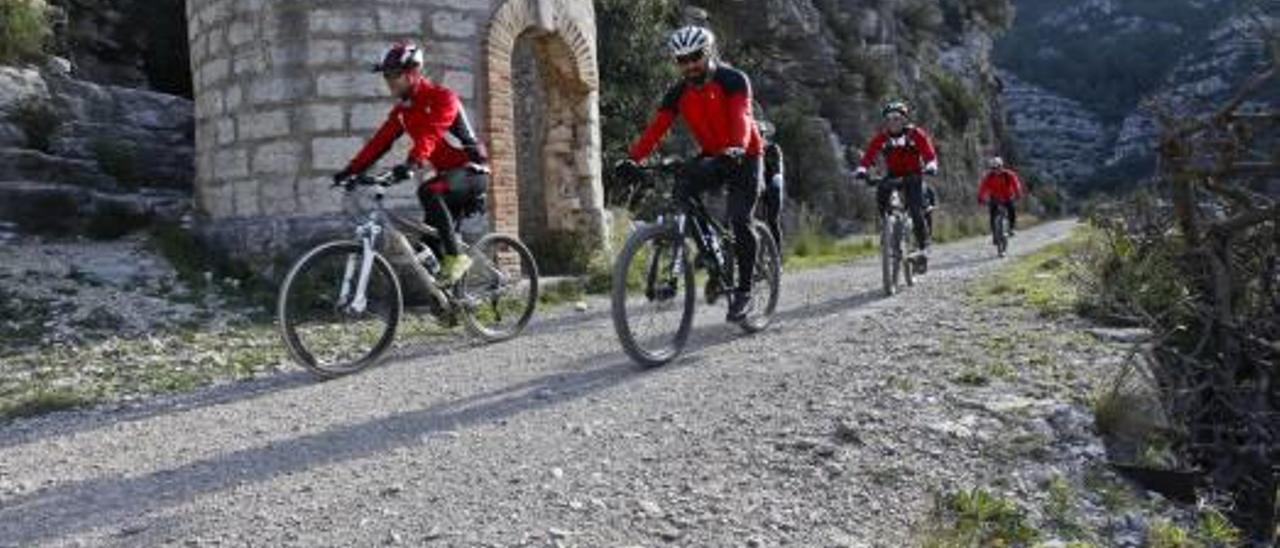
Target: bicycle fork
x,y
360,301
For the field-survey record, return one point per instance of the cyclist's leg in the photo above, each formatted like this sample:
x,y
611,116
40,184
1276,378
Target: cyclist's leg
x,y
993,210
436,215
913,187
744,190
1012,208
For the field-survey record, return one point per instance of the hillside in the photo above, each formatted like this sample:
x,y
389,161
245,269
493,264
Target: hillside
x,y
1078,78
823,68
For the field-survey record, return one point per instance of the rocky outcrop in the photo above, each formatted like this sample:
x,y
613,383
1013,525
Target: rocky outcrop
x,y
1107,62
1056,137
1201,82
86,150
129,43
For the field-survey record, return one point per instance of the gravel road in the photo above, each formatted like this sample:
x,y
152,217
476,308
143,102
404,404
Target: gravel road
x,y
833,428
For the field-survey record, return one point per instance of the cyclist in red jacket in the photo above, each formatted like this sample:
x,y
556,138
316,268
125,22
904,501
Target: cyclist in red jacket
x,y
443,144
909,155
1001,188
714,100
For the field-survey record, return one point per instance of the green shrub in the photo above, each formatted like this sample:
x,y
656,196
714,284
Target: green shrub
x,y
877,80
51,214
117,159
958,106
561,253
980,518
38,121
24,30
110,221
634,62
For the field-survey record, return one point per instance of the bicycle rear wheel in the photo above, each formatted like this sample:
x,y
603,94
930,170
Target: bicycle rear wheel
x,y
653,295
323,327
499,292
766,282
1001,230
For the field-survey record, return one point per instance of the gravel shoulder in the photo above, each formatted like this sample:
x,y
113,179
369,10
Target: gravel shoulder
x,y
837,427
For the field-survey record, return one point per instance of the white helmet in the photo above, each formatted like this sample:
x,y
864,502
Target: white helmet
x,y
691,39
995,162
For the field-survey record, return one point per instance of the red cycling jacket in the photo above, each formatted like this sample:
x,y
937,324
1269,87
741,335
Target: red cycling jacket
x,y
718,114
1000,184
434,118
905,154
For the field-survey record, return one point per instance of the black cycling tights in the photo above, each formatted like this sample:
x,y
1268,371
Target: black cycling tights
x,y
443,197
1010,211
743,179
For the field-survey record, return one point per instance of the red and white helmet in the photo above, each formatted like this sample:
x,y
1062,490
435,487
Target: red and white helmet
x,y
400,57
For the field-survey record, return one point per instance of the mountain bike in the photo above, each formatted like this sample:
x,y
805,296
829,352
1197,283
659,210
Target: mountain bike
x,y
340,303
1000,230
654,292
896,265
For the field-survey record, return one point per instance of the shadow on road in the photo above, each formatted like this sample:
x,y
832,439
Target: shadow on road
x,y
86,505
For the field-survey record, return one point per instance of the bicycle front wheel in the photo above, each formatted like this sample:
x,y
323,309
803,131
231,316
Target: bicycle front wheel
x,y
887,255
500,290
653,295
323,322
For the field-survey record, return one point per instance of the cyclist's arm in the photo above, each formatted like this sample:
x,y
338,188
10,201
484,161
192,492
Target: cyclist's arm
x,y
652,135
737,88
377,146
659,126
1019,190
443,111
873,150
924,144
984,189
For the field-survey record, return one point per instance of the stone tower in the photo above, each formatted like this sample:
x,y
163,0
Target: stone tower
x,y
284,98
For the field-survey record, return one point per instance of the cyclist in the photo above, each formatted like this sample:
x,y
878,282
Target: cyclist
x,y
909,155
774,182
714,100
1001,188
443,143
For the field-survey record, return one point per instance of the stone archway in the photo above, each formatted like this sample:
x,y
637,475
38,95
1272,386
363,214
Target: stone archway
x,y
543,51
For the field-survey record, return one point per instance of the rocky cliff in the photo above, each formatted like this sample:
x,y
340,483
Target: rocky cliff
x,y
1056,137
823,68
1082,78
72,151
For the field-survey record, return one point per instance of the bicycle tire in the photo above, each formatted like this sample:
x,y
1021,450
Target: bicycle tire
x,y
886,255
471,320
621,320
772,273
291,293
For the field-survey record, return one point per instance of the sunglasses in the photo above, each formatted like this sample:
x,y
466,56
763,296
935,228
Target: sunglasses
x,y
689,58
392,74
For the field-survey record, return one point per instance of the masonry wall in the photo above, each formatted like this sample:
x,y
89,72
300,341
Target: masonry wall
x,y
284,98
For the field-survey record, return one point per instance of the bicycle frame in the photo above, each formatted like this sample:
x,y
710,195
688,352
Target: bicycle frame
x,y
384,231
703,228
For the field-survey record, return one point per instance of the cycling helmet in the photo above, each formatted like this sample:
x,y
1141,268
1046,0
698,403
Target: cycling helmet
x,y
401,56
896,106
995,162
690,40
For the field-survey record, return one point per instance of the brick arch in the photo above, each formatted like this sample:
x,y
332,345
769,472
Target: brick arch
x,y
564,33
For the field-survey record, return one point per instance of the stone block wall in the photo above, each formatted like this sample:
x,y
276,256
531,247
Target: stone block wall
x,y
284,98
